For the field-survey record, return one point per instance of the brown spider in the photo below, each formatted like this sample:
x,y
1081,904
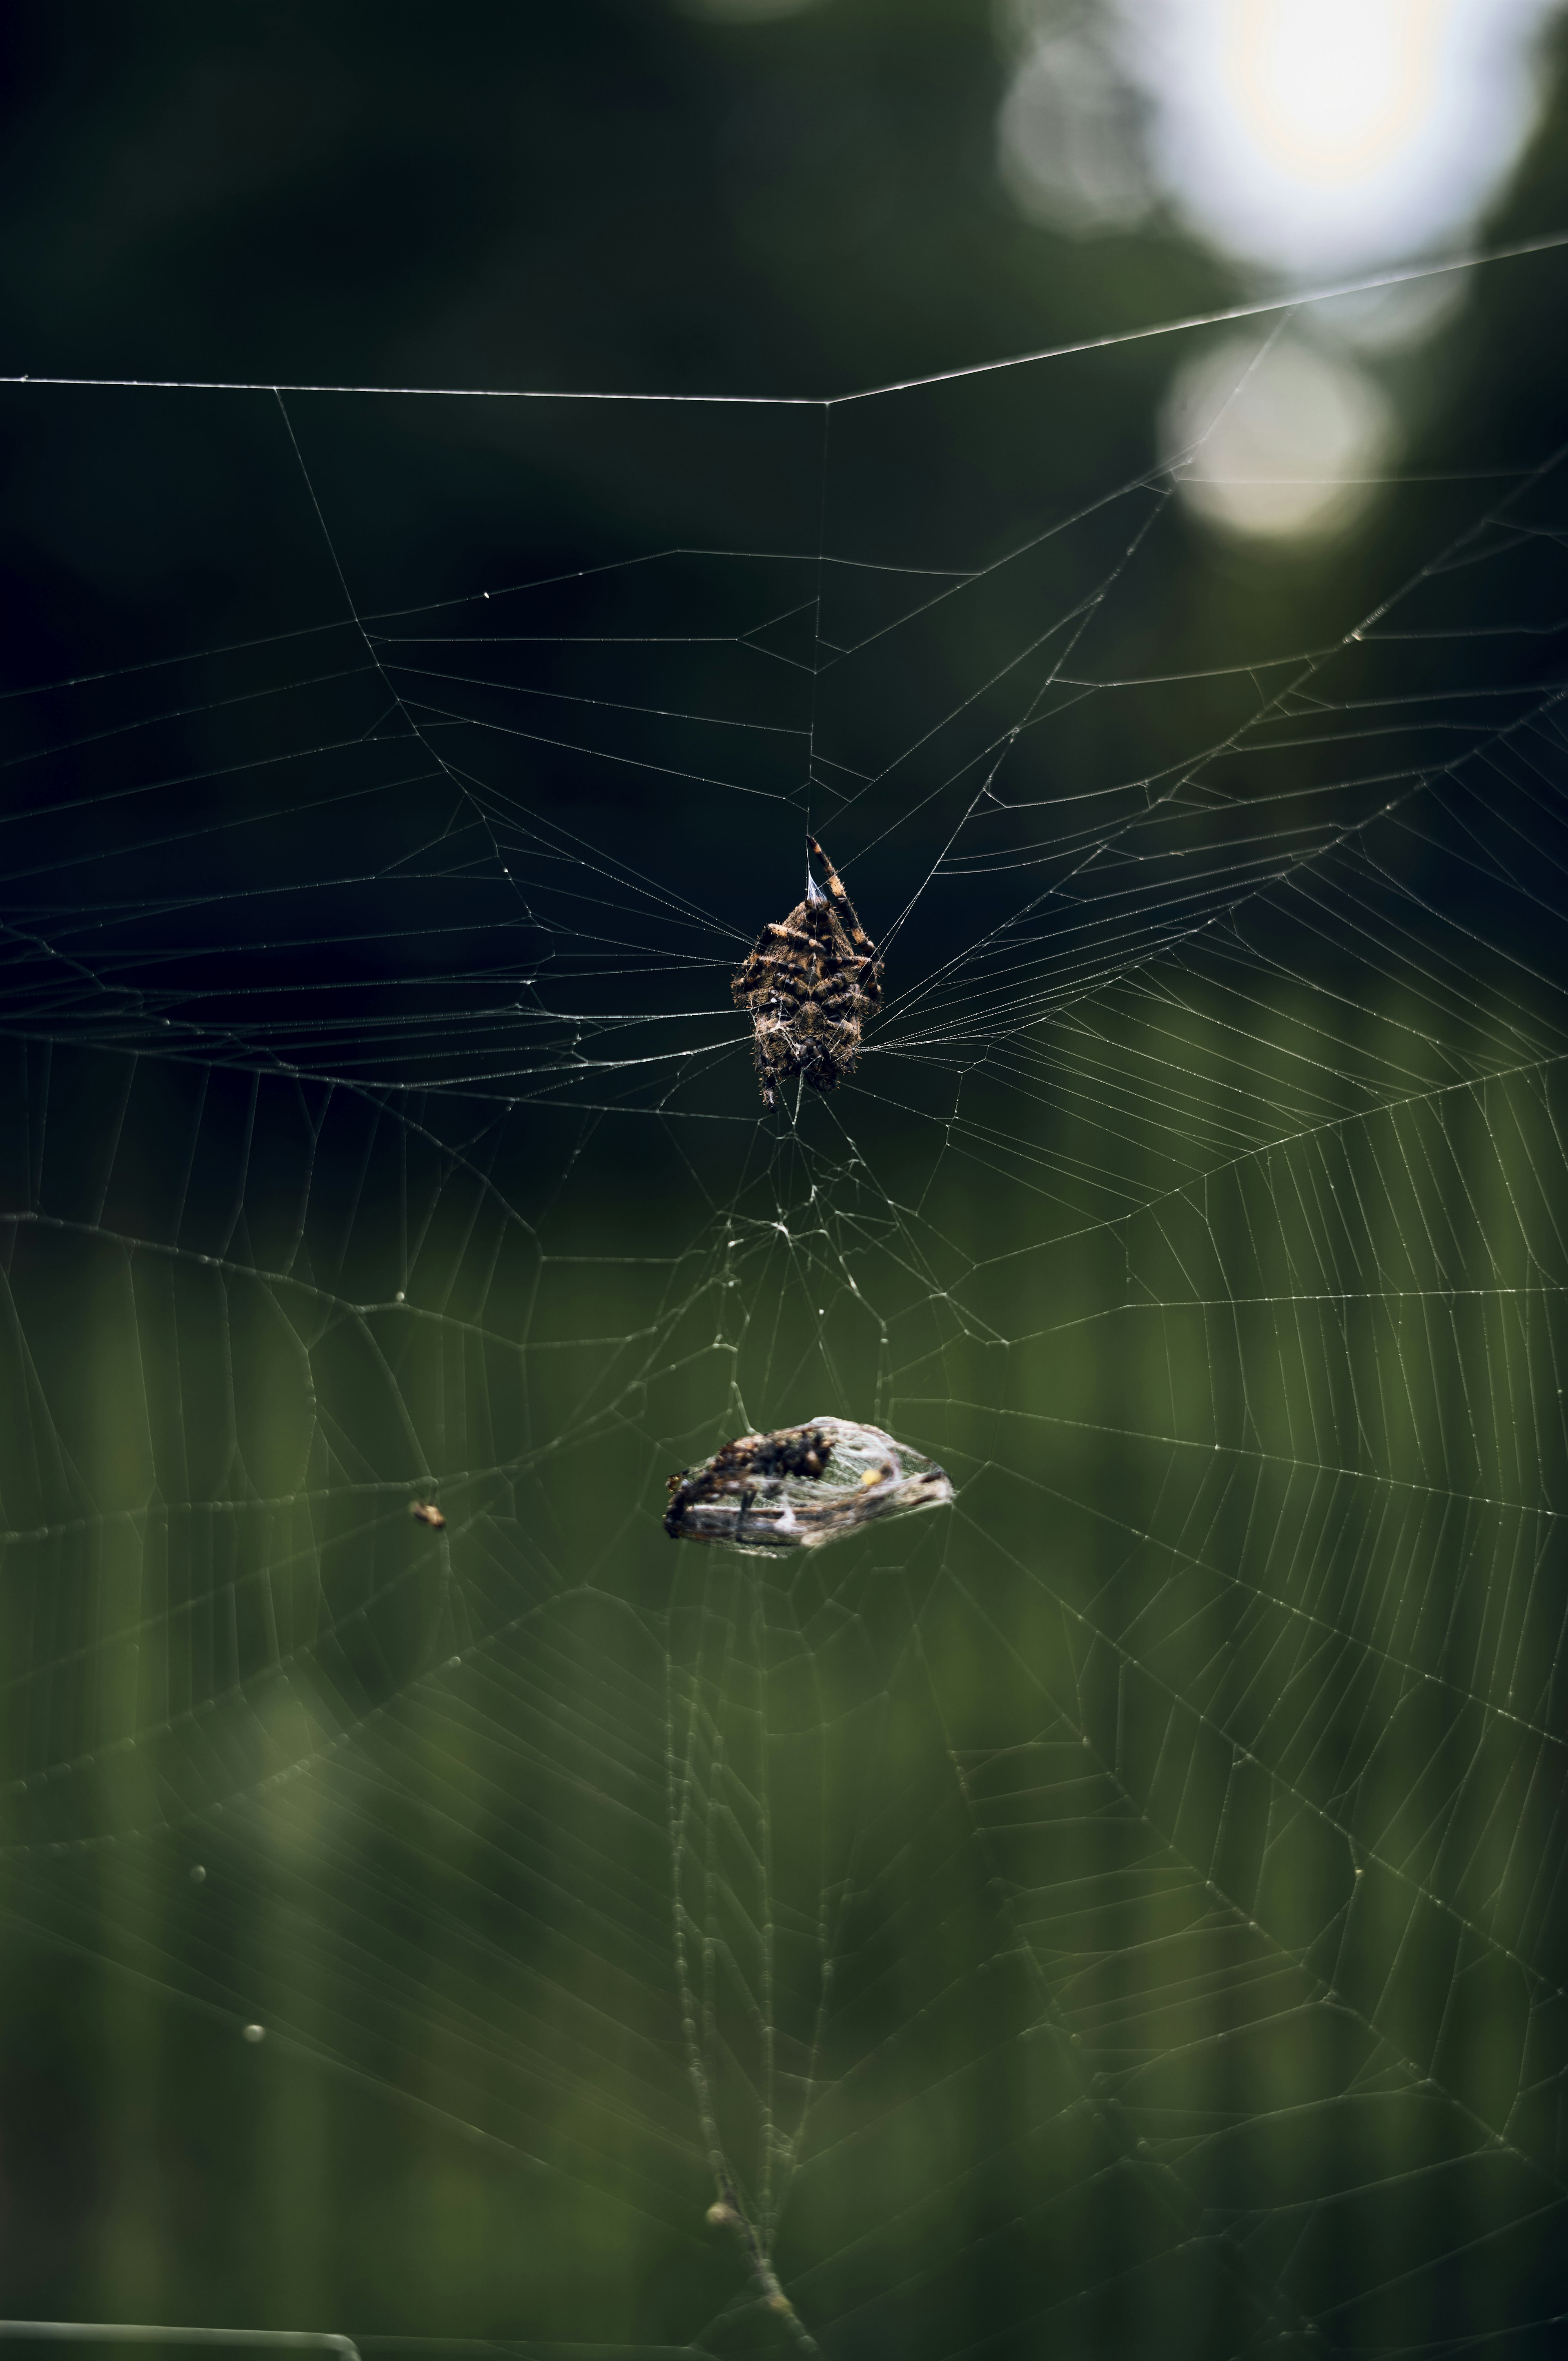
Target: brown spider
x,y
807,986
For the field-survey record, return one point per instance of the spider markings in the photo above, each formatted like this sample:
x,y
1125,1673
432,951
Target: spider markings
x,y
808,985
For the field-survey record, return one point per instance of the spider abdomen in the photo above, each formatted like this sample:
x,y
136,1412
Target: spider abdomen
x,y
806,987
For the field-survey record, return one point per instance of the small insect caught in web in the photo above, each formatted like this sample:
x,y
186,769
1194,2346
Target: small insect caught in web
x,y
801,1486
809,984
427,1512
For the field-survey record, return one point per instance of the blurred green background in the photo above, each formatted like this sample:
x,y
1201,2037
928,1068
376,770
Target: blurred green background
x,y
1121,1915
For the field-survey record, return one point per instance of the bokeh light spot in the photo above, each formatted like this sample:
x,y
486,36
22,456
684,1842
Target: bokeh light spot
x,y
1309,137
1288,446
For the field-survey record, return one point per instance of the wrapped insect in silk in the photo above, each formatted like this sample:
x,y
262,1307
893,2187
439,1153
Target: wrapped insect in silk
x,y
801,1486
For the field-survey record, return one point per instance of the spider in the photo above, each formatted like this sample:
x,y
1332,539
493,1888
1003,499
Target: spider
x,y
807,986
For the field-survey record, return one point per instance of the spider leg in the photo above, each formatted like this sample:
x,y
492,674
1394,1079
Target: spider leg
x,y
858,934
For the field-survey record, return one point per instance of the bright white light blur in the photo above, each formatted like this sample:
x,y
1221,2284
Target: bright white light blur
x,y
1380,319
1325,137
1316,139
1277,448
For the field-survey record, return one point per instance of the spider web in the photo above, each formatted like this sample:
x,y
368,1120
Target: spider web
x,y
1124,1913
